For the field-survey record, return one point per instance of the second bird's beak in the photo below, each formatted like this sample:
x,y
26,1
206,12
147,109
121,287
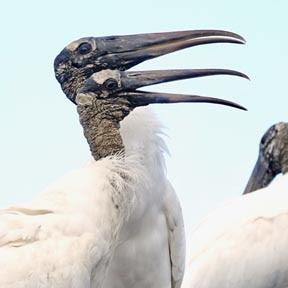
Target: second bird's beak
x,y
124,52
261,176
130,81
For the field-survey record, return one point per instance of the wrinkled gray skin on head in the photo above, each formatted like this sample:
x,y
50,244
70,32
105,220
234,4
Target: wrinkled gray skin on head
x,y
273,157
99,115
100,111
75,64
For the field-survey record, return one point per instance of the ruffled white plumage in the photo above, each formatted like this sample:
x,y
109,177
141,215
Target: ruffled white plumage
x,y
151,252
243,243
73,224
67,236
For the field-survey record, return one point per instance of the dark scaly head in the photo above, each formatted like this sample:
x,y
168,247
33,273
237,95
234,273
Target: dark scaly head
x,y
75,64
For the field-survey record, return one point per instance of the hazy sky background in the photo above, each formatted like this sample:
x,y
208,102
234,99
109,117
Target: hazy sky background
x,y
213,148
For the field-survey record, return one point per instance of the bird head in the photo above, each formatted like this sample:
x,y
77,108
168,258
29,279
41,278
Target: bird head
x,y
272,159
81,58
115,86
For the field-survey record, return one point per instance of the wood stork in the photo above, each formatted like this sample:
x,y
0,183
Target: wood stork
x,y
244,243
117,216
272,159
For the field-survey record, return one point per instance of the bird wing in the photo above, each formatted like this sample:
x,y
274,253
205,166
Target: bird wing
x,y
176,236
55,240
38,248
20,225
243,244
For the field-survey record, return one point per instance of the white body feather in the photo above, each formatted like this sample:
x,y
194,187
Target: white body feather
x,y
244,243
67,236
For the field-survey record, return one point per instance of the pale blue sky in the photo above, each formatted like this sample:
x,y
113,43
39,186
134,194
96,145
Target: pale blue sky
x,y
213,148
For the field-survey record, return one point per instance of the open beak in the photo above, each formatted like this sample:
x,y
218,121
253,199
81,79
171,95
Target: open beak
x,y
124,52
131,81
261,176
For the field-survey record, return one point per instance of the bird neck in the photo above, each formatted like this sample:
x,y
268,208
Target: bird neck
x,y
100,121
284,164
71,86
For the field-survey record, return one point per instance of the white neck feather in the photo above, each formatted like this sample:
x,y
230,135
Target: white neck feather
x,y
142,133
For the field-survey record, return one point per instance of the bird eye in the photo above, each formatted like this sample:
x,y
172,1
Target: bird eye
x,y
111,84
84,48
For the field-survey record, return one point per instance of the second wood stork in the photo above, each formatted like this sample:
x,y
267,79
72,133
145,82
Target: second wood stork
x,y
244,243
272,159
116,221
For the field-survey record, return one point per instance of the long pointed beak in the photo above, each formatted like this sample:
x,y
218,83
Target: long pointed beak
x,y
142,98
261,176
130,81
138,79
124,52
